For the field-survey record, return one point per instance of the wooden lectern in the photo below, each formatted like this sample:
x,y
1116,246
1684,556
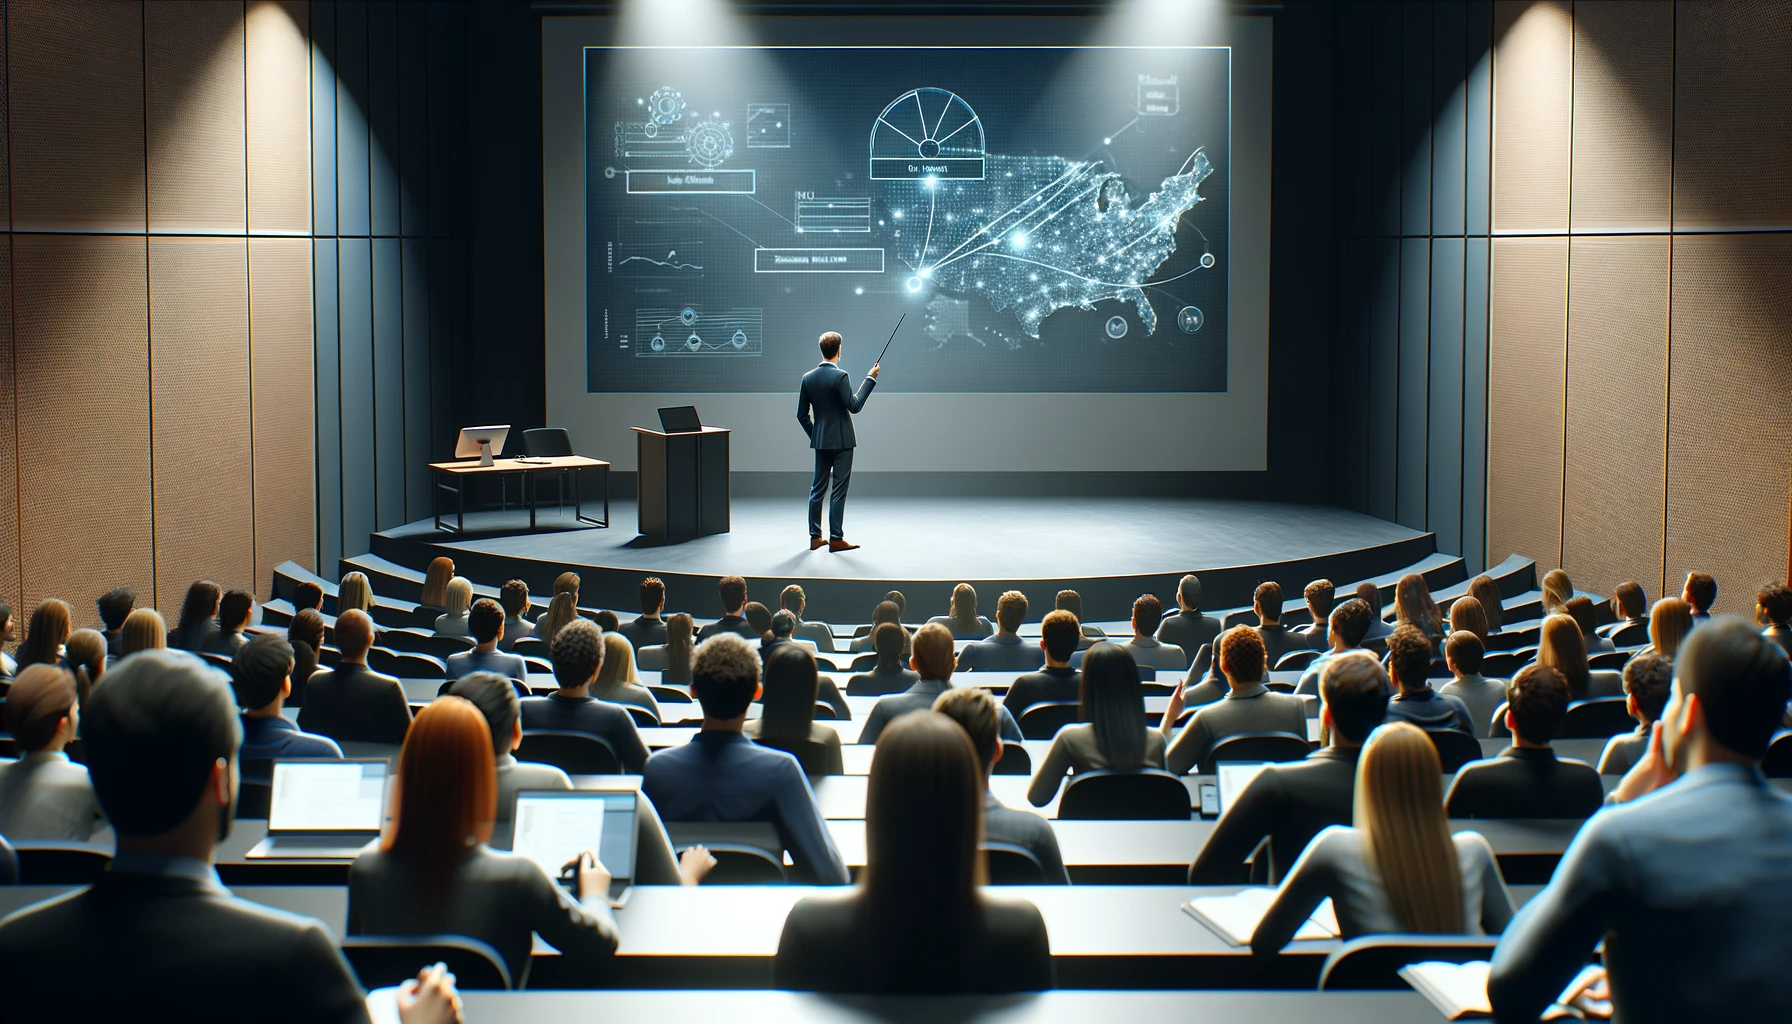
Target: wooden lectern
x,y
681,482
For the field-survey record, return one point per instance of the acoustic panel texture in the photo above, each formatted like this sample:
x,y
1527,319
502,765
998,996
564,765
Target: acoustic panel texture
x,y
1527,337
1532,115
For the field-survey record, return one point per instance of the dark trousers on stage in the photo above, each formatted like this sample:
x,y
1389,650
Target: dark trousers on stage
x,y
838,463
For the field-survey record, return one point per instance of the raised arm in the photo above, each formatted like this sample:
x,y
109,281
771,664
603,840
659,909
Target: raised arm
x,y
854,401
1050,774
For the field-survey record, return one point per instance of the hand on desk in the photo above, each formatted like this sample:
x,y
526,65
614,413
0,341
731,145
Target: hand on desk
x,y
430,999
693,864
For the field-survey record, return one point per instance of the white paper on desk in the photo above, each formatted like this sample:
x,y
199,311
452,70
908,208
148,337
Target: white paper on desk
x,y
1235,918
553,832
1459,991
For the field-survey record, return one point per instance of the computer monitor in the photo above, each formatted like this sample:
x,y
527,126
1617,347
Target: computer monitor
x,y
680,419
482,442
328,796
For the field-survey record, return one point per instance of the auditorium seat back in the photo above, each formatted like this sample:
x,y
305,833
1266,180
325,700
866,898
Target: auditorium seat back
x,y
1374,961
381,961
575,753
1265,745
1145,794
1012,864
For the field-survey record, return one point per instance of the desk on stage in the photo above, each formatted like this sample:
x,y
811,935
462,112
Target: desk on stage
x,y
452,478
681,482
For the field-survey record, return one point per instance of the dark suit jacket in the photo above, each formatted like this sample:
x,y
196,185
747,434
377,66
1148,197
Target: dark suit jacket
x,y
1278,641
824,948
1047,684
1002,652
1188,630
728,624
920,697
876,684
1289,803
643,631
355,703
173,949
1525,783
825,404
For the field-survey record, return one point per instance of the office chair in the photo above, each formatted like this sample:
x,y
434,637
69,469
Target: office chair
x,y
1015,760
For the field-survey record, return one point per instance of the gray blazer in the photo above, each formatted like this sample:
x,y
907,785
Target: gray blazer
x,y
825,404
44,795
1253,709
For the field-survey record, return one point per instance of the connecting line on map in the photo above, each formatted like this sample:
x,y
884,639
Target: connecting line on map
x,y
1074,170
774,213
729,226
1053,215
932,202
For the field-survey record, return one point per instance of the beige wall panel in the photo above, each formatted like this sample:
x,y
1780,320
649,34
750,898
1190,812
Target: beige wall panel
x,y
279,116
194,92
80,328
76,103
1623,114
1729,471
9,446
1615,493
283,375
199,408
1532,84
1528,309
1733,114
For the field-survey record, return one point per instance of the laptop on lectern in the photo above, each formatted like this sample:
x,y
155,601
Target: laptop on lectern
x,y
324,809
680,419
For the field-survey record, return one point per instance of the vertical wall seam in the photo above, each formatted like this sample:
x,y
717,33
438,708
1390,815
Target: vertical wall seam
x,y
249,314
12,299
148,304
1667,377
1567,292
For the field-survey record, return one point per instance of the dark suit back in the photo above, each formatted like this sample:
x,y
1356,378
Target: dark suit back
x,y
1525,783
1046,684
876,684
1289,803
643,632
826,404
824,948
174,946
357,704
1189,631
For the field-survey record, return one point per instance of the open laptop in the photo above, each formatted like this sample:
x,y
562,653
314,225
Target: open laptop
x,y
324,809
1234,776
553,826
680,419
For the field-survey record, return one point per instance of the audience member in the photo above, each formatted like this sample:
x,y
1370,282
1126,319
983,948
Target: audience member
x,y
513,597
1689,885
1630,607
307,596
144,630
1647,681
1249,706
1320,596
8,633
794,601
1145,648
352,702
306,635
563,607
787,721
1557,590
198,614
720,775
606,620
733,591
617,681
261,675
1580,609
963,620
236,609
1669,622
1561,645
115,606
1463,654
354,593
1057,681
647,629
435,583
1470,615
891,674
85,657
485,624
1004,651
1397,868
46,634
782,626
895,597
578,653
920,923
497,700
1188,628
1370,594
1701,593
976,712
1112,733
672,659
433,873
1290,803
453,620
1414,606
1527,780
1409,663
1267,603
886,611
1484,590
1349,623
933,659
1773,610
1072,602
43,795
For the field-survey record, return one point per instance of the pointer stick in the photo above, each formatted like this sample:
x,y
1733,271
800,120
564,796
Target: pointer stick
x,y
893,330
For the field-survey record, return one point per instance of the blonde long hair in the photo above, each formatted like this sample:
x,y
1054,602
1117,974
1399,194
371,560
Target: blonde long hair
x,y
1400,804
1669,622
1561,646
435,582
561,610
354,592
457,596
618,669
1557,589
144,630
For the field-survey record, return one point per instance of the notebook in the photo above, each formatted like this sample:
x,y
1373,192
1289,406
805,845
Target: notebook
x,y
1234,918
324,809
1234,776
1459,991
552,827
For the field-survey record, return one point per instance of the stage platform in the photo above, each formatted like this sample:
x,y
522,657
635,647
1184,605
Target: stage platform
x,y
1109,549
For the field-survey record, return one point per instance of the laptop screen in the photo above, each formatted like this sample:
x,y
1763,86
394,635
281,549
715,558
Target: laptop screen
x,y
680,419
328,796
552,827
1234,777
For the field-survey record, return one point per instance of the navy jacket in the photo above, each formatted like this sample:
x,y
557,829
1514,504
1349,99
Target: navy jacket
x,y
825,406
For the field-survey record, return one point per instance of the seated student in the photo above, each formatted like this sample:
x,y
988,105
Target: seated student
x,y
8,633
1072,602
85,657
1290,803
354,592
1187,628
1058,637
1557,589
733,591
235,609
1483,589
578,653
607,620
1267,603
1689,882
161,738
1562,646
933,659
1414,606
435,583
563,607
1348,624
1370,594
485,624
514,599
1320,596
1470,615
453,620
977,714
1398,868
617,681
1700,593
672,659
782,625
144,630
1527,780
1145,648
788,720
886,611
891,674
115,606
647,629
920,923
963,620
1647,680
1580,609
1773,610
353,702
198,612
433,873
43,795
48,630
1005,651
1249,705
261,675
1112,732
1482,696
306,635
1409,661
1669,622
794,601
307,596
1630,607
720,775
496,699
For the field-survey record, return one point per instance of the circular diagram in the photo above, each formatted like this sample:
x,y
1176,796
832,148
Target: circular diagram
x,y
665,106
1190,319
1207,260
710,143
1116,327
688,315
693,342
739,340
658,344
927,133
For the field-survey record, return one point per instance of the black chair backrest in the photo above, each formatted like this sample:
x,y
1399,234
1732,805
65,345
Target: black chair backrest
x,y
1295,660
1609,660
671,695
1267,745
1015,760
49,862
1597,718
531,645
575,753
389,617
381,961
1777,762
1374,961
1497,728
546,442
405,665
824,712
1503,666
642,717
743,864
412,641
537,663
1455,748
215,659
9,863
328,657
813,756
423,616
1012,864
1633,634
863,663
1043,720
253,796
1513,639
1149,794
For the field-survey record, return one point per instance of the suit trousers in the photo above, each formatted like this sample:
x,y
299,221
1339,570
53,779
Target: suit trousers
x,y
836,462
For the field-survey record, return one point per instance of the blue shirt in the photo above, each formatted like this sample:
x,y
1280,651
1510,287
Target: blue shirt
x,y
511,666
723,776
266,739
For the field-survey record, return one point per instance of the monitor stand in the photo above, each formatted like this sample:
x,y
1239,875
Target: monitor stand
x,y
485,453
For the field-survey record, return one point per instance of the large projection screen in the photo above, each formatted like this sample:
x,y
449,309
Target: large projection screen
x,y
1072,223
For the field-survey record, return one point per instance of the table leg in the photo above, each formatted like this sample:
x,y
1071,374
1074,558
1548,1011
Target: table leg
x,y
531,484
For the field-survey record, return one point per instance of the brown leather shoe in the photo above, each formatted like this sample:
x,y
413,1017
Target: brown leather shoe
x,y
816,542
841,544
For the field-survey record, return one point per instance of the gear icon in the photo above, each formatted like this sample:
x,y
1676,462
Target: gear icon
x,y
665,106
710,143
